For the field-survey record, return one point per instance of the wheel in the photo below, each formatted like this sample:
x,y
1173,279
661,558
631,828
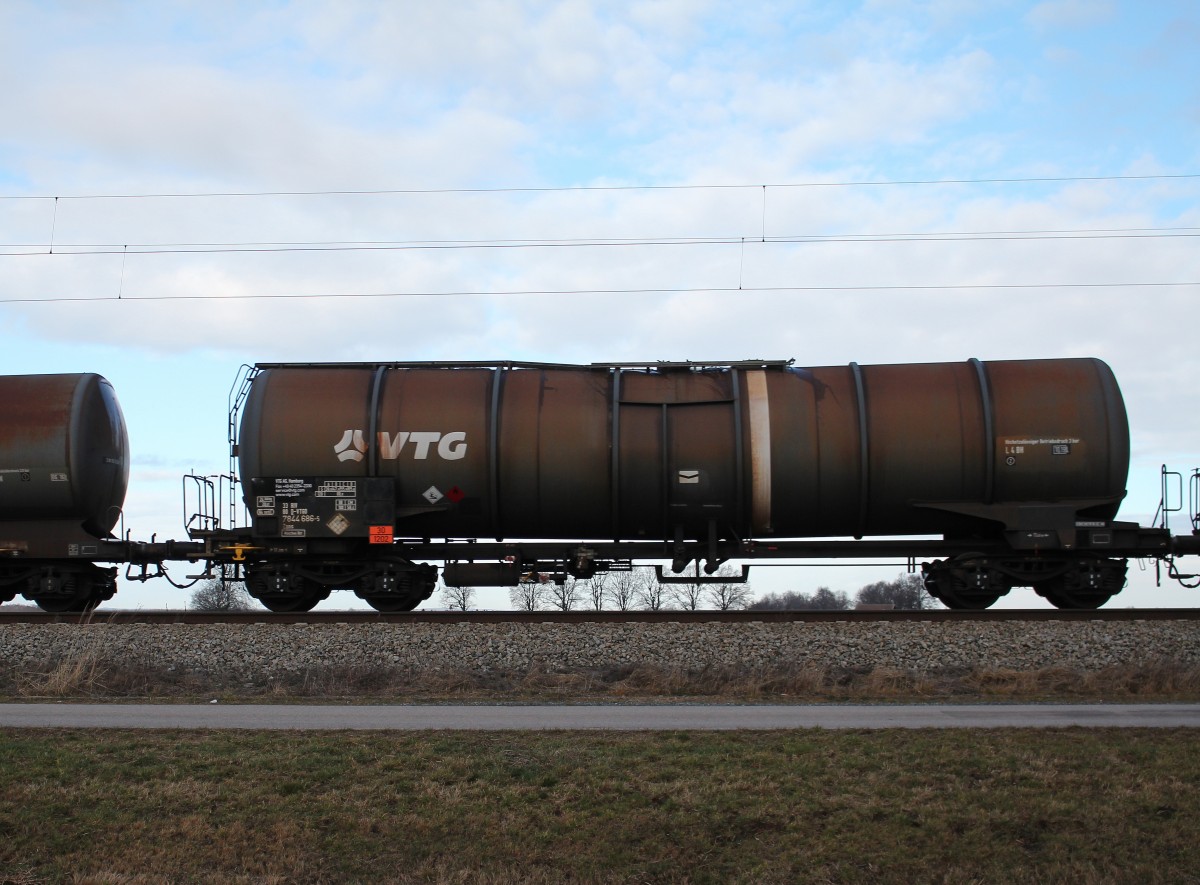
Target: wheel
x,y
1056,593
960,600
282,603
72,591
392,603
76,600
61,605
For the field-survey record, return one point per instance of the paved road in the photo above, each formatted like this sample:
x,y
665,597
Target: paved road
x,y
612,717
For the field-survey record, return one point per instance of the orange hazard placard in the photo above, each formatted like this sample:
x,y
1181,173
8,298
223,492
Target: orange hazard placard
x,y
381,534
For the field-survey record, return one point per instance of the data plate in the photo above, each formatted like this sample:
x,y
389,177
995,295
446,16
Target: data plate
x,y
323,507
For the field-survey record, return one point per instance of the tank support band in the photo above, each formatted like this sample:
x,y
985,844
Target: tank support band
x,y
760,450
989,432
373,418
864,453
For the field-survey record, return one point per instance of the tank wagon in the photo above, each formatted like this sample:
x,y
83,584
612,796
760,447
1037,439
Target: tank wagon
x,y
64,468
1001,474
64,471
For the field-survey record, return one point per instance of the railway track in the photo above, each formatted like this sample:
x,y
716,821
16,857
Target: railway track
x,y
592,617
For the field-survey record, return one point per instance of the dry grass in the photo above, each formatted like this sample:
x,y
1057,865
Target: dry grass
x,y
1163,680
90,675
75,677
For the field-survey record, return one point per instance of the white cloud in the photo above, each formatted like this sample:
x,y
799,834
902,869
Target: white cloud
x,y
1071,13
200,124
467,93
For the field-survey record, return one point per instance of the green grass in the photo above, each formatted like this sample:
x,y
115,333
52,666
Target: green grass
x,y
1071,805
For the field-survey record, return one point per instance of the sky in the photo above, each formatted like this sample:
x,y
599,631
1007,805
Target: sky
x,y
188,187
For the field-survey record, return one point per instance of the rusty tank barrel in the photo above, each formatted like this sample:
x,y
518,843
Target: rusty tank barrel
x,y
667,451
64,451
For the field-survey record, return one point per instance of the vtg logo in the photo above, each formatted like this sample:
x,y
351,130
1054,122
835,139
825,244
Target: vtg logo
x,y
351,447
449,446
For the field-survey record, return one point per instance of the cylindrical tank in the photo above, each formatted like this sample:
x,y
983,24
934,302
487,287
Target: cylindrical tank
x,y
64,451
748,450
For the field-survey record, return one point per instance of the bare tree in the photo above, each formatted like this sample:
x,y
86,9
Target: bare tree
x,y
217,595
824,599
732,594
622,589
905,592
527,596
724,595
458,598
688,595
651,595
596,590
564,596
821,599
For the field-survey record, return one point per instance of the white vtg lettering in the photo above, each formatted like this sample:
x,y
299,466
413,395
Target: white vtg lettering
x,y
450,446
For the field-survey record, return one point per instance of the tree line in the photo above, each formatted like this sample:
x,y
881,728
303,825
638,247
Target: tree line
x,y
906,591
638,589
635,589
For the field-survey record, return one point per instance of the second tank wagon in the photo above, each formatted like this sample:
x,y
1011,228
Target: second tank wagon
x,y
64,469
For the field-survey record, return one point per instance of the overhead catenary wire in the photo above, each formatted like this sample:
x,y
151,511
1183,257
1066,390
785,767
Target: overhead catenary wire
x,y
58,248
76,249
680,290
915,182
